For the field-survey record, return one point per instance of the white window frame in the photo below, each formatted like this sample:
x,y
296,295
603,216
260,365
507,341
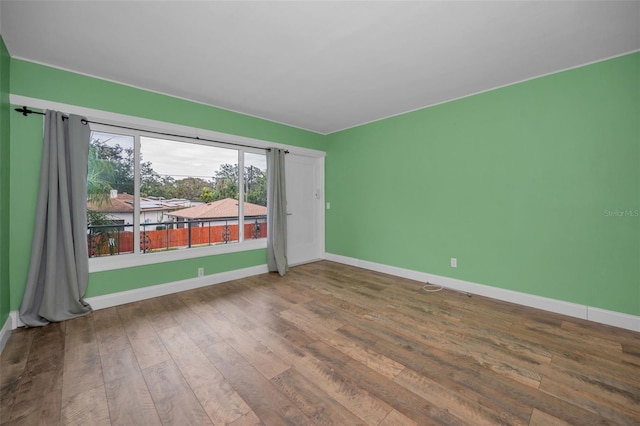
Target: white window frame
x,y
138,258
117,119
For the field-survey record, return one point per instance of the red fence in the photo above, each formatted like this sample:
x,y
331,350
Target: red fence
x,y
119,242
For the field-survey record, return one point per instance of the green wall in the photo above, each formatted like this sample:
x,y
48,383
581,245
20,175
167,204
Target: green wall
x,y
4,183
515,183
37,81
143,276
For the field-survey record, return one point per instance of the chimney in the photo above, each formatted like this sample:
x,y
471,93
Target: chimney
x,y
113,193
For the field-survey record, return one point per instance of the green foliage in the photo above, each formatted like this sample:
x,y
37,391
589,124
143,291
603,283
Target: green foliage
x,y
207,195
115,165
98,177
189,188
256,186
112,167
98,218
100,238
226,184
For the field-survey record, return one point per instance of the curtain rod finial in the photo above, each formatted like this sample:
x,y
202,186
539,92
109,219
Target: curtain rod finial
x,y
24,110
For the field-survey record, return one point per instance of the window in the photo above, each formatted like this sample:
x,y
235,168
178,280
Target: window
x,y
149,195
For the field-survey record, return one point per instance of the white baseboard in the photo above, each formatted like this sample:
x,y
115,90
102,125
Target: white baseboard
x,y
5,332
616,319
128,296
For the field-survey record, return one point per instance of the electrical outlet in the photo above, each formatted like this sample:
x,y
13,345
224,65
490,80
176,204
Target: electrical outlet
x,y
454,262
328,206
201,272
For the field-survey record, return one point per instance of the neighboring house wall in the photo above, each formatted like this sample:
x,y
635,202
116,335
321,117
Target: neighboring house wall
x,y
145,217
515,183
121,208
127,218
38,81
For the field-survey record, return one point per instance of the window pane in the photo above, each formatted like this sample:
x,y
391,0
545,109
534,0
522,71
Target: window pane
x,y
255,196
110,184
188,195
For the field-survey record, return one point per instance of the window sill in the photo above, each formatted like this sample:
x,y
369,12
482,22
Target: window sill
x,y
133,260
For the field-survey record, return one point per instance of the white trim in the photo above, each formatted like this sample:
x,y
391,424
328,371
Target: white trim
x,y
107,263
128,296
15,320
616,319
323,201
325,133
304,262
602,316
12,322
5,332
169,95
145,124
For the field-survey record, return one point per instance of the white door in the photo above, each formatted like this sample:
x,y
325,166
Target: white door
x,y
305,214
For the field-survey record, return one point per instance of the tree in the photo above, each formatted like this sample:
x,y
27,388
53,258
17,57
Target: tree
x,y
207,195
255,186
226,184
112,167
98,177
101,171
153,184
190,188
117,162
116,167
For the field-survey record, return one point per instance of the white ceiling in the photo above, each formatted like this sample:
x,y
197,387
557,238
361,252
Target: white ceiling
x,y
322,66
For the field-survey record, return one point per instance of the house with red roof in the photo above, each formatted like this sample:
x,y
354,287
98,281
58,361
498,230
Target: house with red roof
x,y
224,213
222,209
120,207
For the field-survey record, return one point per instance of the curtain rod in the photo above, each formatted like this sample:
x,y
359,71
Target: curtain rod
x,y
26,111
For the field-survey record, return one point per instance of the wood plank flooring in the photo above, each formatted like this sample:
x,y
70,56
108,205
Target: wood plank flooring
x,y
327,344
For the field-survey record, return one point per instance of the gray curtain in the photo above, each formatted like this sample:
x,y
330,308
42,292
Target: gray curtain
x,y
276,212
59,269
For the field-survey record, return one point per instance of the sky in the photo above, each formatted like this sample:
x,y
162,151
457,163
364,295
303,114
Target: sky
x,y
182,159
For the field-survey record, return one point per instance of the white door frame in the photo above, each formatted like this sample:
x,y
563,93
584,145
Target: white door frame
x,y
319,197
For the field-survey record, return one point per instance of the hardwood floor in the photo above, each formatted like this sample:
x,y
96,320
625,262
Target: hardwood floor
x,y
327,344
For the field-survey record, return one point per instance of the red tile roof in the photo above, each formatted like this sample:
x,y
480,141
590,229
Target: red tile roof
x,y
122,204
227,207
